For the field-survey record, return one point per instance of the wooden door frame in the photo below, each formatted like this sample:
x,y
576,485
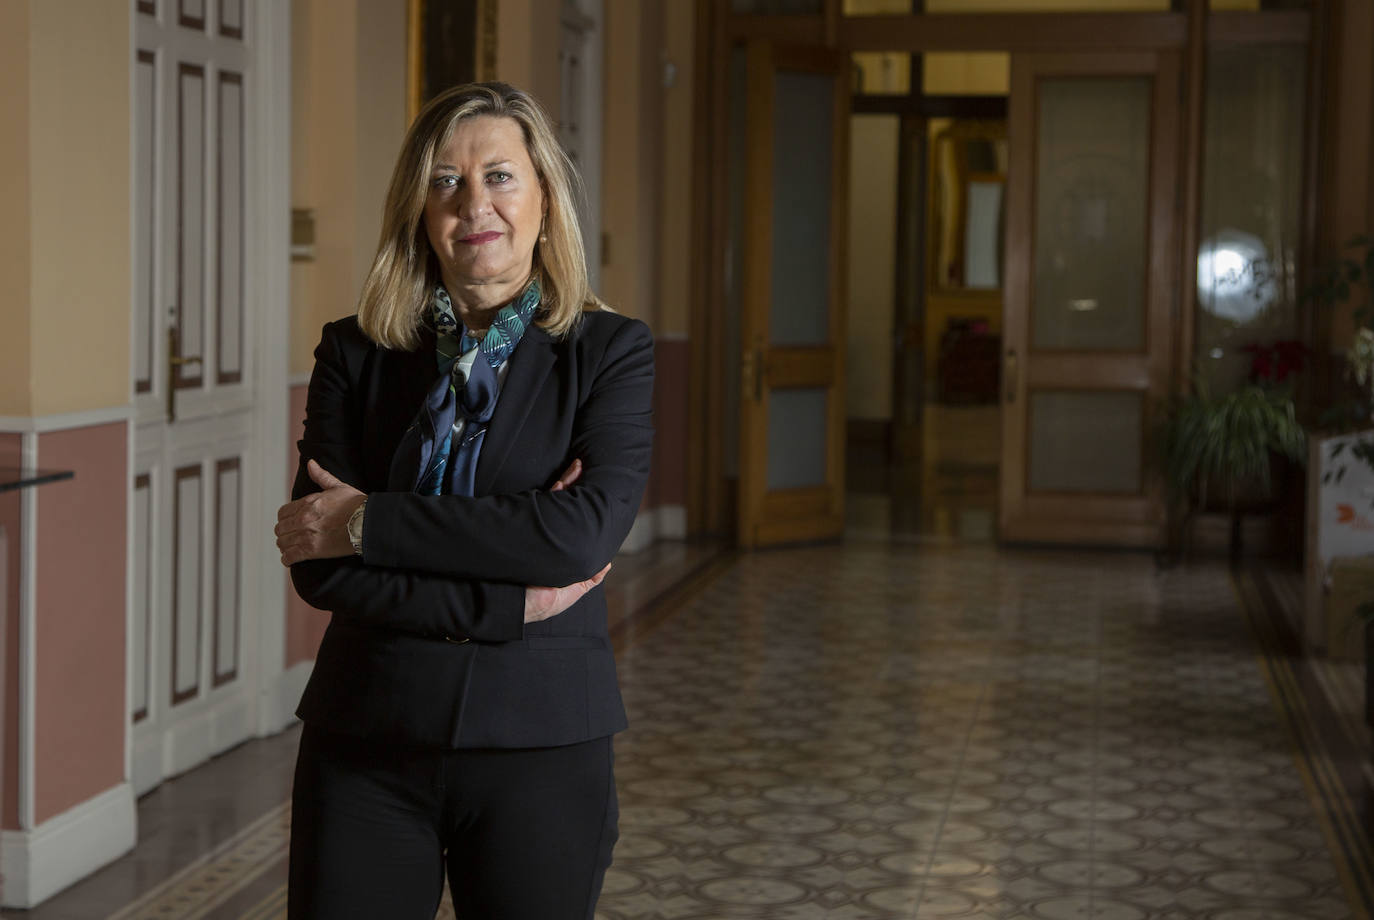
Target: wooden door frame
x,y
269,192
710,500
767,516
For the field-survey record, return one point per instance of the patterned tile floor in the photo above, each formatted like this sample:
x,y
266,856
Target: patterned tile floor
x,y
885,731
901,730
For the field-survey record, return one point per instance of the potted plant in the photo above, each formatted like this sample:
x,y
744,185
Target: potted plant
x,y
1224,450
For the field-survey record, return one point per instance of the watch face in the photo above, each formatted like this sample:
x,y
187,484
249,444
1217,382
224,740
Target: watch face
x,y
355,528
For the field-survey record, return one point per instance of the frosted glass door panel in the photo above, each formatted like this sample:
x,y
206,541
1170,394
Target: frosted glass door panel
x,y
797,438
1091,213
803,112
1085,442
1252,180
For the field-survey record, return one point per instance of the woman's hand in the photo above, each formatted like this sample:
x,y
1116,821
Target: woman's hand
x,y
542,603
316,526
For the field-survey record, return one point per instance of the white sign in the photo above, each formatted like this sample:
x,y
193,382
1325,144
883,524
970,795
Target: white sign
x,y
1340,518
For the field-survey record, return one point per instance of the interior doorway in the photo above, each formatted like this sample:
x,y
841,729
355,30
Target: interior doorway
x,y
928,170
1103,196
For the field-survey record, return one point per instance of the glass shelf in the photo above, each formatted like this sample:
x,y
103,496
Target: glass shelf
x,y
14,477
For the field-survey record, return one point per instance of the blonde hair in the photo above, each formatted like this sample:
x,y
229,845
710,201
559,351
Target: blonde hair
x,y
405,271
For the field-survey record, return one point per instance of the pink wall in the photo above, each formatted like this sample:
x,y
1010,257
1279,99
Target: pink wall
x,y
79,679
304,624
668,482
10,520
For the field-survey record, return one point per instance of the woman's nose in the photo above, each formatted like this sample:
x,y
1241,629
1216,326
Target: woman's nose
x,y
474,202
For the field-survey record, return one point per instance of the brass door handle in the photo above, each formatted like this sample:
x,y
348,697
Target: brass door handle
x,y
174,361
1011,376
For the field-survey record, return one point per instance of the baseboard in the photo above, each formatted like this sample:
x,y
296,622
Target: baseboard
x,y
38,863
666,522
279,701
643,532
672,522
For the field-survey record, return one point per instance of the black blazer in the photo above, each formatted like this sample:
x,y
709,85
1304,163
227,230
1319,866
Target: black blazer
x,y
427,644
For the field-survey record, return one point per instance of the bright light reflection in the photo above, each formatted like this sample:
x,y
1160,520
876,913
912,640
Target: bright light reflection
x,y
1233,276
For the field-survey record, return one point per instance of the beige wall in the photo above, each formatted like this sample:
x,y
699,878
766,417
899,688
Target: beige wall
x,y
349,80
65,164
527,36
381,83
16,388
872,265
675,219
631,157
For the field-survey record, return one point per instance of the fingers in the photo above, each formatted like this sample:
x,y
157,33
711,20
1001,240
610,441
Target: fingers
x,y
570,476
322,477
295,515
542,603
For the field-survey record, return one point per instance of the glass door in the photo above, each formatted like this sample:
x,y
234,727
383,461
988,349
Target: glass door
x,y
791,316
1089,275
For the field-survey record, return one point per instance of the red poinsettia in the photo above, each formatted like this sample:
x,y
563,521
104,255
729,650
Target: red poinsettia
x,y
1276,362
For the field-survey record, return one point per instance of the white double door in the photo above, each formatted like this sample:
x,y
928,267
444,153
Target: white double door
x,y
192,627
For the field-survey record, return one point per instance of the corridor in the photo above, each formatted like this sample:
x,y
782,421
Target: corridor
x,y
889,730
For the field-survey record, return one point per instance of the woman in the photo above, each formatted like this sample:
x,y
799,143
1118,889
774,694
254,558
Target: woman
x,y
478,430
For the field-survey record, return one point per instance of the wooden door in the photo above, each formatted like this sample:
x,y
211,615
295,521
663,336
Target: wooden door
x,y
791,324
192,689
1090,273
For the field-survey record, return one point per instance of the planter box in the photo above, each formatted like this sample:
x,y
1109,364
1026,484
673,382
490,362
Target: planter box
x,y
1352,584
1340,525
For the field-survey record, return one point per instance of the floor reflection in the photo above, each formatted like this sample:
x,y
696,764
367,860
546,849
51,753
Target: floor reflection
x,y
937,482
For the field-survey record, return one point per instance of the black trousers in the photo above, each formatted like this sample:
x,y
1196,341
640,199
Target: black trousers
x,y
521,834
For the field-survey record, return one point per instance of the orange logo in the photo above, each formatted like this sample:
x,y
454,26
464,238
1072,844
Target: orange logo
x,y
1345,514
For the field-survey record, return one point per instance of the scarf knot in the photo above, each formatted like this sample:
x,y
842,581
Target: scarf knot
x,y
465,390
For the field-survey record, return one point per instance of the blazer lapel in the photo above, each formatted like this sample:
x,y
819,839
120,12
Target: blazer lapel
x,y
406,377
413,374
530,364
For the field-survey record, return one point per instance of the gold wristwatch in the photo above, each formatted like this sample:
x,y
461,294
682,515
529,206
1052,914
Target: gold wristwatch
x,y
355,528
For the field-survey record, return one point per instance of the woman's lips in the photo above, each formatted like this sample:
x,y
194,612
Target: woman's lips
x,y
477,239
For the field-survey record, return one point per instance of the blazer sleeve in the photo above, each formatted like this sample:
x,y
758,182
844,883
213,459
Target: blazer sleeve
x,y
407,601
538,537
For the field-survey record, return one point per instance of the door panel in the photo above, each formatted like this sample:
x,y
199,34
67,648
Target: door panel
x,y
1090,269
191,166
792,315
186,570
228,298
145,332
1091,206
140,633
227,528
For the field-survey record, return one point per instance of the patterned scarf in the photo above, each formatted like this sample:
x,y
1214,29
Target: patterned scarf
x,y
472,386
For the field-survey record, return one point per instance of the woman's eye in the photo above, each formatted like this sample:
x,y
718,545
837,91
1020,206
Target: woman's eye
x,y
446,182
499,177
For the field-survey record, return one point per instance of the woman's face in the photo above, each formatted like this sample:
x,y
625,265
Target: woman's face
x,y
485,207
